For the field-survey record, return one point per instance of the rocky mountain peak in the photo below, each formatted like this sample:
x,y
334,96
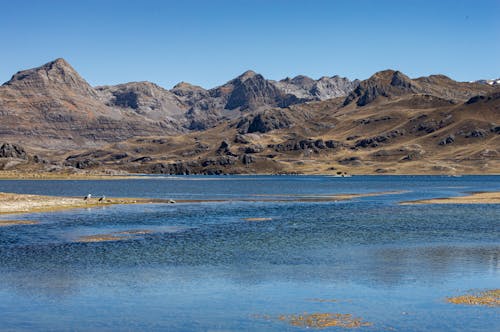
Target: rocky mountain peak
x,y
252,90
186,89
246,75
492,82
57,74
302,79
401,80
384,83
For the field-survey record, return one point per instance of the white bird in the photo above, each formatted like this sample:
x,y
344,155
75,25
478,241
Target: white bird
x,y
102,199
87,198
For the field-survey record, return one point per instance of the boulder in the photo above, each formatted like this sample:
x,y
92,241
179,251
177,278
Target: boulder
x,y
447,140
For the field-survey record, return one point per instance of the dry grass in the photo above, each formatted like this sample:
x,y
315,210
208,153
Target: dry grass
x,y
489,298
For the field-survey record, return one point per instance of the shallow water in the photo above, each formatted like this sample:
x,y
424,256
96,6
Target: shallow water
x,y
204,267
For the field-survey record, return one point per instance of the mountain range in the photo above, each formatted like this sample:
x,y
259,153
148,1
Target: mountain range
x,y
52,120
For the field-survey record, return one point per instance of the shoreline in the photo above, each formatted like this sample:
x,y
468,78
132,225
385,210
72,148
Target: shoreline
x,y
129,176
11,203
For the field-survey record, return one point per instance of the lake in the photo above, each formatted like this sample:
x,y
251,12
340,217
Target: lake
x,y
253,259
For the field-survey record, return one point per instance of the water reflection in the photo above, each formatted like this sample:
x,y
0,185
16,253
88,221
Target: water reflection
x,y
380,267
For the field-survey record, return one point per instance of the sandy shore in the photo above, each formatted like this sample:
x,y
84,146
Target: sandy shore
x,y
474,198
20,203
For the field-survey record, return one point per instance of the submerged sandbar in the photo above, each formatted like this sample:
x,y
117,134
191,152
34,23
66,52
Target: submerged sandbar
x,y
24,203
5,223
491,197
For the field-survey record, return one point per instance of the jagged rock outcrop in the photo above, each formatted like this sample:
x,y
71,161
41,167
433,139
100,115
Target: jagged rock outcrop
x,y
264,122
254,148
447,140
305,144
224,148
383,138
8,150
322,89
486,98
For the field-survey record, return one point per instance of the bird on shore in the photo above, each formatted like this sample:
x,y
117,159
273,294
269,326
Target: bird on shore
x,y
102,199
87,198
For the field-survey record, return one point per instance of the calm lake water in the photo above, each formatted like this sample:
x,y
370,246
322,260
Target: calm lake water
x,y
203,267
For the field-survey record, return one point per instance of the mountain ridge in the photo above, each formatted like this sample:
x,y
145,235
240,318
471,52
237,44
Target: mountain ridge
x,y
141,127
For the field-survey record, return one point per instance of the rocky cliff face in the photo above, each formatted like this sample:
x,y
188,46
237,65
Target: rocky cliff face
x,y
146,99
325,88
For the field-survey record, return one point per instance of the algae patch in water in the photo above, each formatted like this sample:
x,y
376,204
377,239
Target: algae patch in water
x,y
489,298
101,238
115,236
4,223
321,320
257,219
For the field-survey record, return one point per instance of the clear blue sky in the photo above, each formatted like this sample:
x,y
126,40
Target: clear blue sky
x,y
209,42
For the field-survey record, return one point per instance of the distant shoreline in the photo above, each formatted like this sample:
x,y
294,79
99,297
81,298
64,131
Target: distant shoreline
x,y
59,176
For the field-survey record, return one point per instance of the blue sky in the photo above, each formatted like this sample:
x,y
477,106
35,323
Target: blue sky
x,y
209,42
